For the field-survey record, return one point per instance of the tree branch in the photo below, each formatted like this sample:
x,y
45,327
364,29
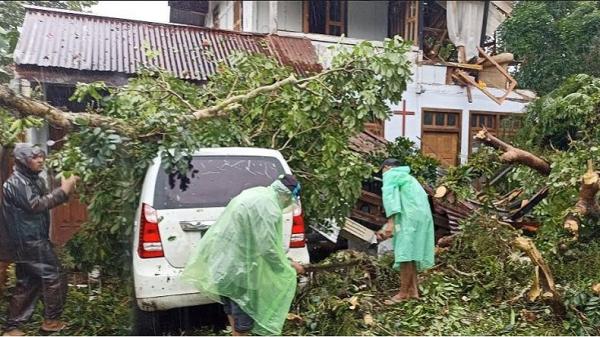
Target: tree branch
x,y
220,109
56,117
512,154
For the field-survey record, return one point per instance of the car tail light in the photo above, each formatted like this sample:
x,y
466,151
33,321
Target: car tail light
x,y
150,245
298,239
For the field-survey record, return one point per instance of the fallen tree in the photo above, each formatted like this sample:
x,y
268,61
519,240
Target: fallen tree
x,y
256,102
512,154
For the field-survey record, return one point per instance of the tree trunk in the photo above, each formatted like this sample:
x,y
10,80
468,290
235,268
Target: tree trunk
x,y
512,154
586,206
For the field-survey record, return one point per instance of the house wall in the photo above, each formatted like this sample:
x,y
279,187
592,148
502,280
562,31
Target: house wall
x,y
428,90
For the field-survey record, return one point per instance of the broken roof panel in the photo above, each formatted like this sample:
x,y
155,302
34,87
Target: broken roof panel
x,y
82,41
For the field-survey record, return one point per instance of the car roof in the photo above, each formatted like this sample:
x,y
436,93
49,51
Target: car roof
x,y
237,151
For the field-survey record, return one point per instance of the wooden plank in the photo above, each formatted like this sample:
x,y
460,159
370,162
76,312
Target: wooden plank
x,y
536,199
369,218
371,198
464,65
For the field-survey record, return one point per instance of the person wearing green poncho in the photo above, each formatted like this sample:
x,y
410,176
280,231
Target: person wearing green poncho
x,y
410,223
240,261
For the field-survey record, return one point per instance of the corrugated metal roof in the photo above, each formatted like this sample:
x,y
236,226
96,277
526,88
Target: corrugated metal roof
x,y
81,41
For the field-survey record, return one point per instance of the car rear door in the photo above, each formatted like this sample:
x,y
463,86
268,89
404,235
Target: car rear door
x,y
188,205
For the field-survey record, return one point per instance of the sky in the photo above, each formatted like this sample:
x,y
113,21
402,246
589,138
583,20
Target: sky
x,y
155,11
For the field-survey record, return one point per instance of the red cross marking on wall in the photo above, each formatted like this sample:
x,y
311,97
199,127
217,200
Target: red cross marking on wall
x,y
404,113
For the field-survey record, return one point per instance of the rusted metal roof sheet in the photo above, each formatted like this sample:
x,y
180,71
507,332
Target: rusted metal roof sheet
x,y
81,41
367,143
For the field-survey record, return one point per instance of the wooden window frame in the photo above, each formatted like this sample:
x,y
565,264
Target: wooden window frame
x,y
216,13
411,23
343,24
433,128
238,15
497,116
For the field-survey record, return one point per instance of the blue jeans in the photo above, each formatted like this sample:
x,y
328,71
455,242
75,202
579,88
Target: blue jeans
x,y
242,322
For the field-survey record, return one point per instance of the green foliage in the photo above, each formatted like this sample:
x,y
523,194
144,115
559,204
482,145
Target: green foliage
x,y
11,127
310,123
353,301
554,40
87,313
482,164
422,167
567,113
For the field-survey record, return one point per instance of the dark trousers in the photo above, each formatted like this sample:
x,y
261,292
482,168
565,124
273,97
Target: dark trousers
x,y
38,275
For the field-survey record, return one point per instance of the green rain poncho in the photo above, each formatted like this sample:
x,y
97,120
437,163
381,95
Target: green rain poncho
x,y
405,200
241,257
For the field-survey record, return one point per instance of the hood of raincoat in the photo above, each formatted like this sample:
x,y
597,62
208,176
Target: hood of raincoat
x,y
23,152
241,257
405,200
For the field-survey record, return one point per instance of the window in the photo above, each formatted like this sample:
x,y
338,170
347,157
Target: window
x,y
502,125
212,181
325,17
440,119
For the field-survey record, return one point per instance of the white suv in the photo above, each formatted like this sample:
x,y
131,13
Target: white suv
x,y
173,213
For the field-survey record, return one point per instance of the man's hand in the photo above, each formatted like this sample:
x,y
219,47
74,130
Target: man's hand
x,y
387,232
298,267
68,184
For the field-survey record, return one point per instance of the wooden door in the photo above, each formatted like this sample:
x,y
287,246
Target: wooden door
x,y
441,145
441,136
66,218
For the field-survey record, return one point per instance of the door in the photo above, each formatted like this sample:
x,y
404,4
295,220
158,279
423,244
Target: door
x,y
68,217
441,136
441,145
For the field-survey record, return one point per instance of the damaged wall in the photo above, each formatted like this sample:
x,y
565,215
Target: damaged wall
x,y
428,89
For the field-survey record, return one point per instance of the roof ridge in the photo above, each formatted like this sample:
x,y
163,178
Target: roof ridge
x,y
32,8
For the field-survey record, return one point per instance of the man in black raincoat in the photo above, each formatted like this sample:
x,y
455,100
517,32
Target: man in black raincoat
x,y
25,207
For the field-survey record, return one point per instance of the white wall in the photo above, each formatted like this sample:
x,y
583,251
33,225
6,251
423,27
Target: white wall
x,y
289,15
428,90
368,20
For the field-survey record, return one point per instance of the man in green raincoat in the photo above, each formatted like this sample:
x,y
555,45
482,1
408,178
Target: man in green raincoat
x,y
410,223
241,262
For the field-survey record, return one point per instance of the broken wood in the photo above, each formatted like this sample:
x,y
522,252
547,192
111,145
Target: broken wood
x,y
512,154
546,280
528,205
446,241
596,289
586,205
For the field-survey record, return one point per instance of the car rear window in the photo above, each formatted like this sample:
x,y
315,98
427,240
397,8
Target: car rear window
x,y
212,181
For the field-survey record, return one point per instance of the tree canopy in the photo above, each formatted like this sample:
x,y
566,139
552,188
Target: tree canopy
x,y
553,40
254,102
